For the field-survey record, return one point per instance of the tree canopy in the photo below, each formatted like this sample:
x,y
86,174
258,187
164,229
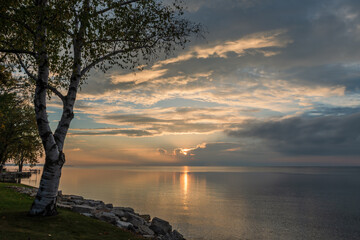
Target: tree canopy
x,y
19,138
110,33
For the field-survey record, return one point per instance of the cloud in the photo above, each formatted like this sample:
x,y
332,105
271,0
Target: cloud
x,y
254,41
105,132
220,153
261,42
138,77
325,135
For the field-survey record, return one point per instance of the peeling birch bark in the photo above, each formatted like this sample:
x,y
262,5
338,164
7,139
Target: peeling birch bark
x,y
45,200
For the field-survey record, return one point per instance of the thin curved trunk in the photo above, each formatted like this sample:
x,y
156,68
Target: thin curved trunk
x,y
21,163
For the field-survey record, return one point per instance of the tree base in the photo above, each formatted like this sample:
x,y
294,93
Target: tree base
x,y
37,209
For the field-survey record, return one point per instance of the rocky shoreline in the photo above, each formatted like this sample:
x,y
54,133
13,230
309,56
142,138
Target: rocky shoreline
x,y
122,217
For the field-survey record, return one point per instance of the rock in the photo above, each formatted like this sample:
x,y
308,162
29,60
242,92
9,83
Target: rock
x,y
175,235
102,208
136,220
82,209
148,236
78,202
145,230
66,203
75,197
95,203
65,206
118,212
146,217
126,209
109,205
160,226
107,217
125,225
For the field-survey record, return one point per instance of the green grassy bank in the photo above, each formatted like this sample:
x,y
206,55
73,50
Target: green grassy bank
x,y
15,224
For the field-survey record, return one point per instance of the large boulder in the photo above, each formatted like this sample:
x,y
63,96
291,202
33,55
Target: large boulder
x,y
107,217
124,225
125,209
94,203
145,230
82,208
175,235
109,205
74,197
136,220
160,226
118,212
65,206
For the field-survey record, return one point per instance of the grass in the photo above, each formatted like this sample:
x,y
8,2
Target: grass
x,y
16,225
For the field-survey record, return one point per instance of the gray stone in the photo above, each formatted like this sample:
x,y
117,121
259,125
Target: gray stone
x,y
135,219
102,208
109,205
125,225
75,197
78,202
106,217
67,203
146,217
65,206
145,230
126,209
148,236
160,226
95,203
82,208
175,235
118,212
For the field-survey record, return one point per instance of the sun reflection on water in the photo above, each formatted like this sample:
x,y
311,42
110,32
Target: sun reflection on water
x,y
184,181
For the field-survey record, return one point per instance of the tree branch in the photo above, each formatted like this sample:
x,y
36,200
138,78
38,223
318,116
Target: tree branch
x,y
107,56
88,67
54,90
25,68
114,6
17,51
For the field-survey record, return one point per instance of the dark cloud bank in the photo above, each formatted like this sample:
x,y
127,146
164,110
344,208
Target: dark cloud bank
x,y
322,136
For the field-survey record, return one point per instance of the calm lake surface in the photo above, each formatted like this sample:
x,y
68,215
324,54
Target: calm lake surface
x,y
230,202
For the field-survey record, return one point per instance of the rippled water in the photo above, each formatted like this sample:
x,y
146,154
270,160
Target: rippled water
x,y
231,203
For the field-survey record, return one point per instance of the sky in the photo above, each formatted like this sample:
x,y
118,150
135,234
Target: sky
x,y
273,83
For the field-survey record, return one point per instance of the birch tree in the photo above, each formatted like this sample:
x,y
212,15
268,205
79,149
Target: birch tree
x,y
57,43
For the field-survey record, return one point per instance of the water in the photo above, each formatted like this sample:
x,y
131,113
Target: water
x,y
231,202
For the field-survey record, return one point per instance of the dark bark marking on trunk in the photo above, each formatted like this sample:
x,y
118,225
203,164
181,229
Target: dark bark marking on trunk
x,y
46,135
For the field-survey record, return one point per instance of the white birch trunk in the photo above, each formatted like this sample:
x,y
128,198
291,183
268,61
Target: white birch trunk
x,y
45,200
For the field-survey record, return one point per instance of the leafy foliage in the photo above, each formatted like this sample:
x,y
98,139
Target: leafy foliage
x,y
19,139
112,33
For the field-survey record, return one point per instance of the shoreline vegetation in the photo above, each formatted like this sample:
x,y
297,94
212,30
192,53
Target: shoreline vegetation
x,y
78,218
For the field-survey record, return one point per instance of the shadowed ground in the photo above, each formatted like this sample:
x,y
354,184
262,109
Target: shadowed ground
x,y
15,224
